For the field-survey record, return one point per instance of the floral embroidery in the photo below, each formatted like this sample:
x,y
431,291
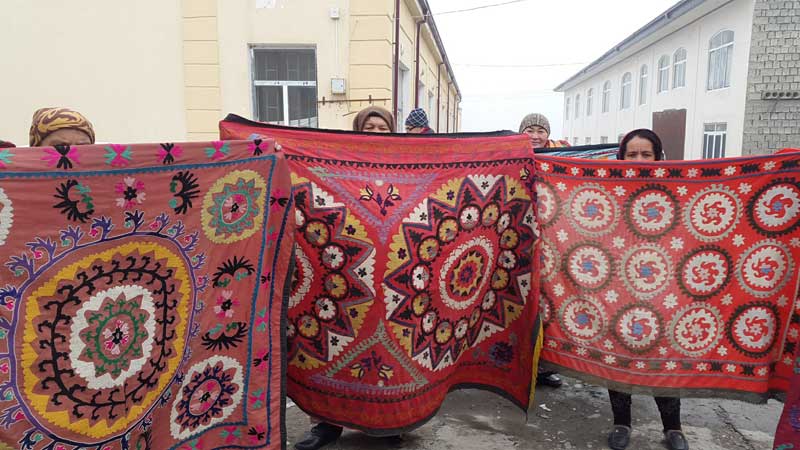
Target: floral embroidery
x,y
118,155
132,193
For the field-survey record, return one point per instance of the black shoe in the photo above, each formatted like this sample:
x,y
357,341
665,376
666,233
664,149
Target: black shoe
x,y
676,440
321,435
619,438
549,379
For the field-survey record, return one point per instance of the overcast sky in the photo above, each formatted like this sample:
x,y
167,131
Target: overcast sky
x,y
532,32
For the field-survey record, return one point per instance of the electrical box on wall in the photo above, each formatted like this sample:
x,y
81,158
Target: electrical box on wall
x,y
334,13
338,86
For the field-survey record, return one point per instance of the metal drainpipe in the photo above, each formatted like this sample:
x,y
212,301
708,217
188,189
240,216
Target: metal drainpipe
x,y
416,62
396,68
439,98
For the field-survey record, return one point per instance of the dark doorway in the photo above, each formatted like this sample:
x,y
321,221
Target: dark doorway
x,y
670,126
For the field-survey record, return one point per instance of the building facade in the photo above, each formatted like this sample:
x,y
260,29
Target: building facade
x,y
697,75
155,70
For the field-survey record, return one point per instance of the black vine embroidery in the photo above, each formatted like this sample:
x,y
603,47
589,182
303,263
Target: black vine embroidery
x,y
235,268
64,161
169,152
78,209
223,339
185,189
384,203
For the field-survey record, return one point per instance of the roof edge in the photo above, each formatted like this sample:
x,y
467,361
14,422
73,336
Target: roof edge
x,y
662,20
426,11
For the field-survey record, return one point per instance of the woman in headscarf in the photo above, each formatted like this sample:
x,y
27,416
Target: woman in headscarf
x,y
537,127
644,145
374,119
60,126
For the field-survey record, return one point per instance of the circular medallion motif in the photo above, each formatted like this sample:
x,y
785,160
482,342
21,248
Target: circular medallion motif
x,y
119,315
775,209
211,391
6,216
713,213
754,329
638,328
546,203
765,268
646,270
115,331
233,209
593,211
588,266
465,273
549,260
652,211
705,272
696,330
582,320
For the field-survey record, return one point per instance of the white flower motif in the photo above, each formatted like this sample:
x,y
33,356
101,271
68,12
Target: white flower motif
x,y
619,242
731,368
692,173
763,371
788,361
682,190
794,333
671,365
608,344
670,301
640,365
562,236
575,171
602,172
610,359
545,167
581,351
561,187
662,351
795,242
702,367
558,289
722,351
730,170
727,300
738,240
660,172
783,301
677,243
619,191
769,165
612,297
552,344
630,173
745,188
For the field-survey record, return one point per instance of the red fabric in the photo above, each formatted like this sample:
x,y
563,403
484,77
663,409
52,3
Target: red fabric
x,y
676,278
788,434
141,296
414,273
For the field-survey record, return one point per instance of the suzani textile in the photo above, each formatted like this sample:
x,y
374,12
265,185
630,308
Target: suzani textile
x,y
414,272
138,303
676,278
788,435
585,152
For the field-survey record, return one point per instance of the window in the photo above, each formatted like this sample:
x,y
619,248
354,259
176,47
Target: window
x,y
679,69
285,86
715,136
566,108
643,85
720,60
432,116
576,140
627,88
604,139
606,96
587,141
577,106
589,101
619,138
663,74
404,97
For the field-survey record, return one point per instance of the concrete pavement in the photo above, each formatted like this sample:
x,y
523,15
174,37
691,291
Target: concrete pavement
x,y
579,418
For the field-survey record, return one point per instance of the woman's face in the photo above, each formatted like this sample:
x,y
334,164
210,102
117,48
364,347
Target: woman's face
x,y
538,136
66,137
376,125
640,149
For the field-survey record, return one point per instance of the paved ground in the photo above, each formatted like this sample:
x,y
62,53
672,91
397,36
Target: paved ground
x,y
578,419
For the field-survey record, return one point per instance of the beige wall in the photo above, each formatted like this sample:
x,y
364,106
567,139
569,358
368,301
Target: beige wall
x,y
116,62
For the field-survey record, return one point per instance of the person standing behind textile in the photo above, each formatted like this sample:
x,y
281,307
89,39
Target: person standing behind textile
x,y
60,126
373,119
6,144
417,122
537,127
644,145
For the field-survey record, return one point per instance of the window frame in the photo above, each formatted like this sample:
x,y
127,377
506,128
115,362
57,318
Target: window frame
x,y
606,98
715,140
728,48
643,78
284,84
577,105
589,102
662,84
679,65
626,91
567,101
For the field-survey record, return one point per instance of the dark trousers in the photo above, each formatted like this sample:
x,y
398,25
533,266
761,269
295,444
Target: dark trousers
x,y
669,407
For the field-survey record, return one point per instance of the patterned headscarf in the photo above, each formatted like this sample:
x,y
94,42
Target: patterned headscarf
x,y
6,144
49,120
373,111
532,120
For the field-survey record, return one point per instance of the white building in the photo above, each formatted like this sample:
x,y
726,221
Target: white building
x,y
685,75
